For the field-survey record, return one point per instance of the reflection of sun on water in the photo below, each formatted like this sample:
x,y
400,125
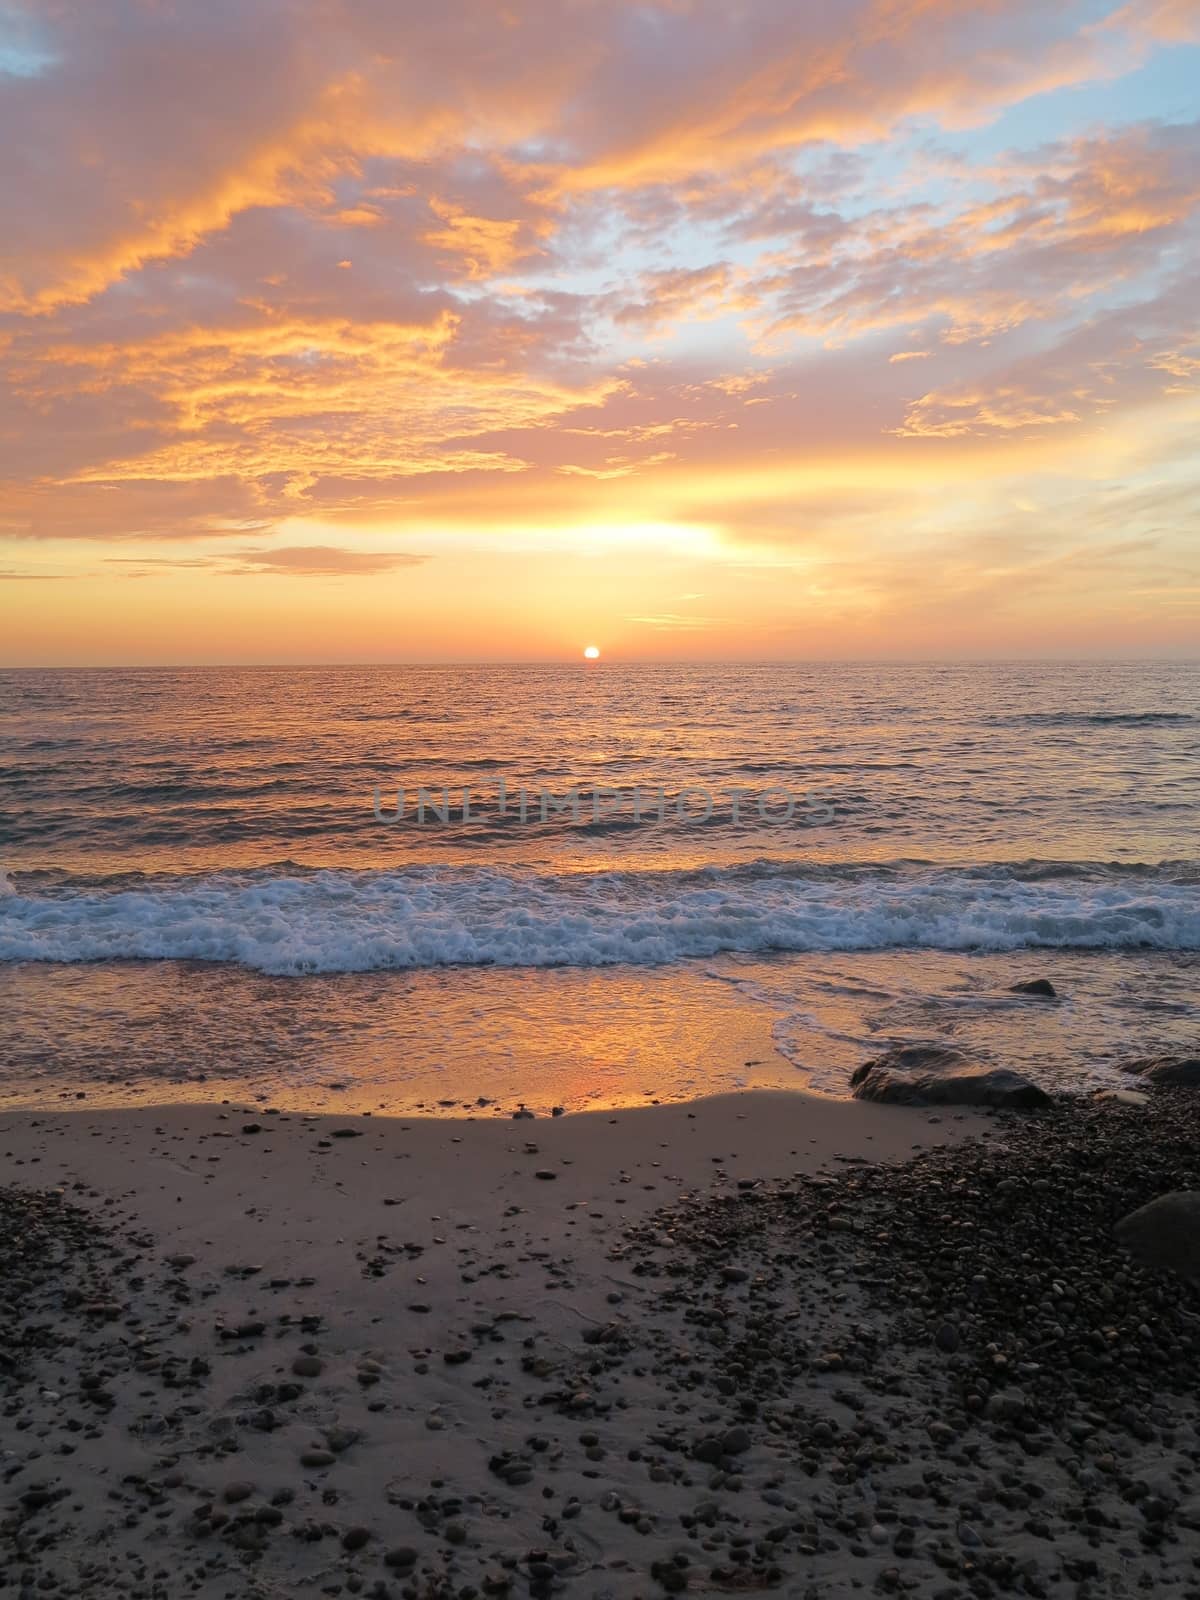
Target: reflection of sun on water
x,y
592,653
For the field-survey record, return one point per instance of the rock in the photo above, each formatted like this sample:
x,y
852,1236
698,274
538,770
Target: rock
x,y
346,1133
947,1338
1005,1405
355,1538
317,1458
1165,1233
941,1075
237,1491
308,1367
1041,987
1171,1072
339,1439
1125,1097
403,1555
545,1174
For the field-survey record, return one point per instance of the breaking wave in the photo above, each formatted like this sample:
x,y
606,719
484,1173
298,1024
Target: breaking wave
x,y
292,922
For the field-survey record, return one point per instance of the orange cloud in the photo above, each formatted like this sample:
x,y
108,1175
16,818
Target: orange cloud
x,y
304,561
275,280
487,246
241,112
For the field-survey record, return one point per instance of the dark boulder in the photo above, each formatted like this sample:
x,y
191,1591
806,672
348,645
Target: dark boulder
x,y
1036,986
1173,1072
938,1075
1165,1233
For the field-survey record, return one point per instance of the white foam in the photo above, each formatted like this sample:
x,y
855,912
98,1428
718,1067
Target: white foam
x,y
363,921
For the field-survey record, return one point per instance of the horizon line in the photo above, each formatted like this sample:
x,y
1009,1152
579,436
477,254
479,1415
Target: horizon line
x,y
602,663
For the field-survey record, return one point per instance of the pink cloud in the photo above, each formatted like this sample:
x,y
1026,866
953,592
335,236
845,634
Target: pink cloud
x,y
155,126
375,259
1177,21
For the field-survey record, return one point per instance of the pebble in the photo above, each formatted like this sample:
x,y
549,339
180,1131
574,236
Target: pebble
x,y
759,1442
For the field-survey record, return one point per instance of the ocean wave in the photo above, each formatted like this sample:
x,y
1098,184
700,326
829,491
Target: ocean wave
x,y
340,921
1099,719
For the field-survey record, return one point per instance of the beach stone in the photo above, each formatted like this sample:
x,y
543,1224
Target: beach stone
x,y
308,1367
1165,1233
941,1075
1124,1097
1171,1072
401,1556
1036,986
1005,1405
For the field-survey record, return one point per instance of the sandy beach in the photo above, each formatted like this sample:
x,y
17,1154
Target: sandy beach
x,y
413,1286
619,1353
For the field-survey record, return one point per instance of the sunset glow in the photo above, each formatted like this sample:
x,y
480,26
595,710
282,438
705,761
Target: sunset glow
x,y
393,332
600,644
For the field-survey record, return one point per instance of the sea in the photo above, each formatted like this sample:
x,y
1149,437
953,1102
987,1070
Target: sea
x,y
436,888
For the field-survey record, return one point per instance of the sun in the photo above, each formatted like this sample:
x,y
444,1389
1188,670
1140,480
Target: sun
x,y
592,653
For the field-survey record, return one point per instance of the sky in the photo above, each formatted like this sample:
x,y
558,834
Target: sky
x,y
372,330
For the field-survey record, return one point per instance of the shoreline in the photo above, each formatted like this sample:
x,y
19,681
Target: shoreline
x,y
148,1033
615,1354
765,1134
